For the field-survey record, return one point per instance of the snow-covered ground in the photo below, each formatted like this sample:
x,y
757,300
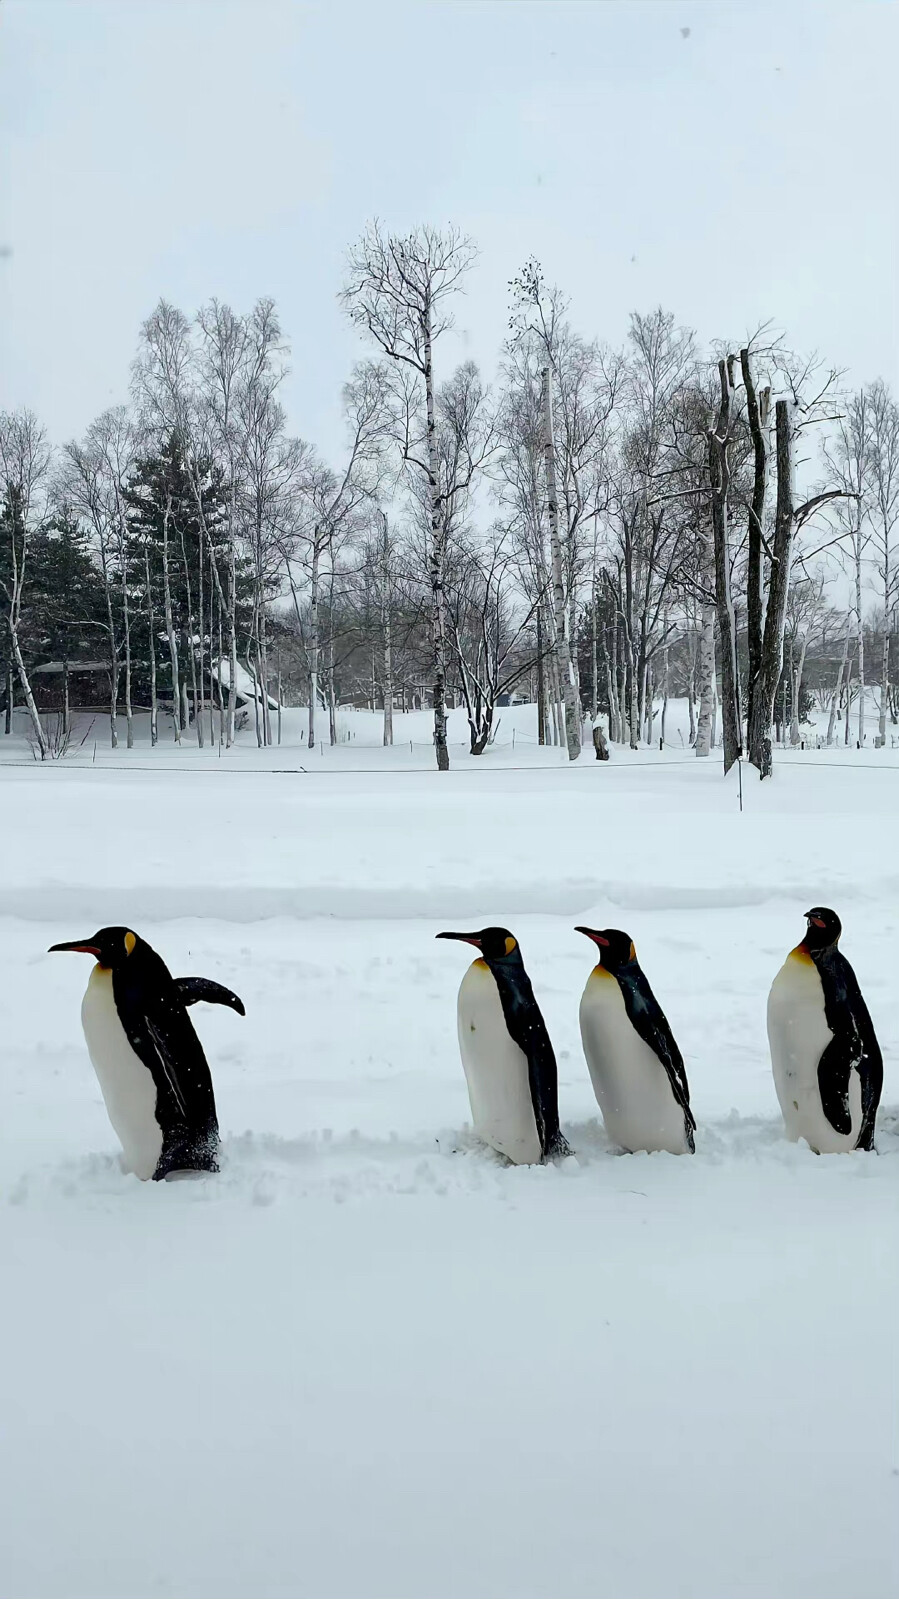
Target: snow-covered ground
x,y
367,1359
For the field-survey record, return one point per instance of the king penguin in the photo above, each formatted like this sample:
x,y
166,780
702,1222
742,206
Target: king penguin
x,y
828,1069
508,1059
636,1068
149,1061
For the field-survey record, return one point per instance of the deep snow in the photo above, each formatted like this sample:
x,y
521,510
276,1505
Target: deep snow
x,y
368,1359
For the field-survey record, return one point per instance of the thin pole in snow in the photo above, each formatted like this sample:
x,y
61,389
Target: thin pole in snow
x,y
740,771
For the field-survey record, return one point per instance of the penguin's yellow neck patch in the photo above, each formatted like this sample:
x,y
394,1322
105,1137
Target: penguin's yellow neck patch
x,y
801,954
480,964
600,971
130,942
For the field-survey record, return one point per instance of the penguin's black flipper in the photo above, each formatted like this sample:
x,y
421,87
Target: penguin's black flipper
x,y
834,1070
192,990
649,1020
854,1044
527,1029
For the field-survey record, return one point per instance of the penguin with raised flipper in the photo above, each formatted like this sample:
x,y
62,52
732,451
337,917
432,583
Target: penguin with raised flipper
x,y
635,1065
506,1052
149,1061
827,1065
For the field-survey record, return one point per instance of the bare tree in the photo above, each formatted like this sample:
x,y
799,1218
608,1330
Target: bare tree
x,y
719,444
92,480
883,510
758,405
24,464
808,397
804,609
397,289
332,509
491,635
848,457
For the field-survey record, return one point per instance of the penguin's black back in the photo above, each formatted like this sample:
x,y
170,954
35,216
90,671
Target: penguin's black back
x,y
161,1034
854,1044
526,1027
647,1018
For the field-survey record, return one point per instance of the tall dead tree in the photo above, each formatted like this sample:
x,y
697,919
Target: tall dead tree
x,y
758,404
788,519
719,444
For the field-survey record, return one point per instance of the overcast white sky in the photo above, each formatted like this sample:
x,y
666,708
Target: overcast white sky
x,y
193,148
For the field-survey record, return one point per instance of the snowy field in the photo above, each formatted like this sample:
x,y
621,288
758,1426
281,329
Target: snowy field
x,y
368,1361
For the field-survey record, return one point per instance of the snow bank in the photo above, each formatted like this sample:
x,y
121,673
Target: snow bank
x,y
368,1359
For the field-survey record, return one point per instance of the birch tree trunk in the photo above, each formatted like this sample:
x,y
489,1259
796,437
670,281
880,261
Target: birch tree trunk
x,y
201,638
563,650
437,558
884,679
837,693
252,671
313,639
778,590
665,681
191,645
757,411
611,681
332,693
232,631
388,646
798,669
860,636
126,617
594,662
541,680
40,737
113,651
704,733
263,669
719,483
169,622
151,624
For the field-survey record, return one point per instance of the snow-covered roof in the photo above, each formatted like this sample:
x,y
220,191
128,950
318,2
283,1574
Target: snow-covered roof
x,y
244,686
49,667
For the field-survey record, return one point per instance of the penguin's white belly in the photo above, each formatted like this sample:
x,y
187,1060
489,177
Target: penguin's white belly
x,y
798,1035
496,1071
128,1089
630,1083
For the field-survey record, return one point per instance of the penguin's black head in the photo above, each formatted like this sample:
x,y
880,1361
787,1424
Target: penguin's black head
x,y
496,944
824,929
616,949
111,947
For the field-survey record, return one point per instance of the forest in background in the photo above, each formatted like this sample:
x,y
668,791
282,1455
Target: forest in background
x,y
597,530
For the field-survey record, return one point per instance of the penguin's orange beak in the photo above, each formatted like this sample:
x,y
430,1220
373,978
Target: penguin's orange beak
x,y
463,938
815,920
77,947
590,932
